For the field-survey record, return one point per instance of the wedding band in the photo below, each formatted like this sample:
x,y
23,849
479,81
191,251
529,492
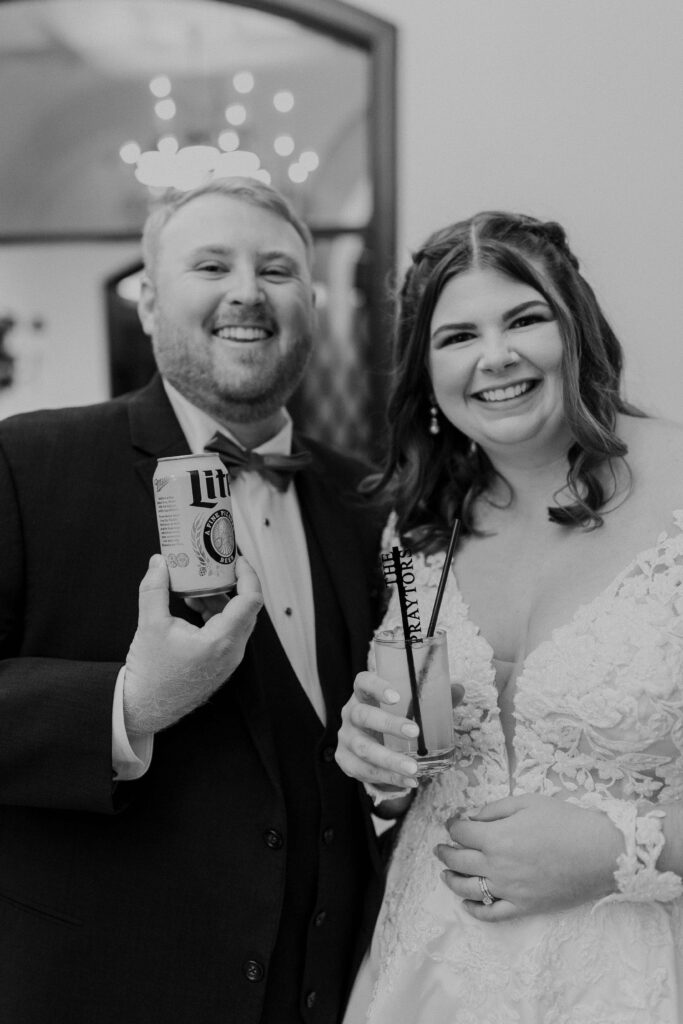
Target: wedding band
x,y
487,898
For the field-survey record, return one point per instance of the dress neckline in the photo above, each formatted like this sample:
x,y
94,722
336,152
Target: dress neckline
x,y
606,594
608,591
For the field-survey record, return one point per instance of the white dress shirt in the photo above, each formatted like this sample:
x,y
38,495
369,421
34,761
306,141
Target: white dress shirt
x,y
270,534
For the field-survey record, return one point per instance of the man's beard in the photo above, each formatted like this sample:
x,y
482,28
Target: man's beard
x,y
246,399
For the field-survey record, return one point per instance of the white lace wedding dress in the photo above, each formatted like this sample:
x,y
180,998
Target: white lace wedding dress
x,y
599,716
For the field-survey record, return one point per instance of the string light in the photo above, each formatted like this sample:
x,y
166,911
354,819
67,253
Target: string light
x,y
283,101
297,173
130,152
160,86
284,145
309,160
243,81
235,114
168,144
228,140
177,166
165,109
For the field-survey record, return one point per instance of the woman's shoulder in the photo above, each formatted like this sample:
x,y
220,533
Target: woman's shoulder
x,y
652,439
655,458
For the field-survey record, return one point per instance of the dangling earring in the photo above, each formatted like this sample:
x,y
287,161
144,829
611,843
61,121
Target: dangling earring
x,y
434,427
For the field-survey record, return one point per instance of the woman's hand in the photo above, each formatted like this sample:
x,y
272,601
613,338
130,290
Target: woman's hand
x,y
360,751
536,853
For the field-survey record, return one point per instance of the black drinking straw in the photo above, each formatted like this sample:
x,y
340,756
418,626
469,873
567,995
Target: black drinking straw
x,y
437,605
421,747
444,577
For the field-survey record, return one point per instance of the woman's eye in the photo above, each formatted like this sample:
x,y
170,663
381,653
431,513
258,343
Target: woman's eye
x,y
528,319
458,338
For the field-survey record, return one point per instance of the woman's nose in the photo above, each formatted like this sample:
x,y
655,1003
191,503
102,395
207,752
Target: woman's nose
x,y
497,354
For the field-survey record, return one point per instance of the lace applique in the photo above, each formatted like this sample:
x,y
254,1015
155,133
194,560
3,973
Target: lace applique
x,y
637,877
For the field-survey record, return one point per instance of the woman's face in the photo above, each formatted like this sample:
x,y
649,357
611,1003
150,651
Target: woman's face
x,y
495,359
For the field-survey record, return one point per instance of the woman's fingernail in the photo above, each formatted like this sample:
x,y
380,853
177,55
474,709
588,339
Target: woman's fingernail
x,y
391,697
410,729
408,767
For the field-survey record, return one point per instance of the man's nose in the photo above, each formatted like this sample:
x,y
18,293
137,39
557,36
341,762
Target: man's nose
x,y
244,286
497,354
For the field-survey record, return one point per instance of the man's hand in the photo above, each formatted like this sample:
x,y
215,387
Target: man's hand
x,y
172,666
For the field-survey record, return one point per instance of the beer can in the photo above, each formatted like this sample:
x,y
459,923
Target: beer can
x,y
196,530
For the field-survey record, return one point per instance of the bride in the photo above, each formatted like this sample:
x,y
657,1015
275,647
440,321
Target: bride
x,y
537,881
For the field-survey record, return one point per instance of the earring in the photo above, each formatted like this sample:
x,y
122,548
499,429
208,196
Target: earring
x,y
434,427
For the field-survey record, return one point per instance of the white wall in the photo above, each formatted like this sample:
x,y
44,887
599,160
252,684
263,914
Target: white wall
x,y
567,109
65,361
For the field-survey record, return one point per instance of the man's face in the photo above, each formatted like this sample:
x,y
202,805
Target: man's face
x,y
230,308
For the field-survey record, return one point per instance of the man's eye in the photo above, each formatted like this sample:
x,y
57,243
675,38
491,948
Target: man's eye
x,y
276,270
211,267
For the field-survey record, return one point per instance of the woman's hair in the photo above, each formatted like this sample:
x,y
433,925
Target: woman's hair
x,y
430,479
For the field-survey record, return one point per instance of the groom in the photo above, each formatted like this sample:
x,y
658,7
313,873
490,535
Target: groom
x,y
177,843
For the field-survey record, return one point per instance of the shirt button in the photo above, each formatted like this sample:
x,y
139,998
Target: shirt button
x,y
288,611
328,754
266,522
320,918
253,970
273,838
328,836
310,1000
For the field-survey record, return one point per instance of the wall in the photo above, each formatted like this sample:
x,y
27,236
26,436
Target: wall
x,y
567,109
63,361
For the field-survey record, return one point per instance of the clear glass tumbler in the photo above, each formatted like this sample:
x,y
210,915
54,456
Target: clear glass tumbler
x,y
430,659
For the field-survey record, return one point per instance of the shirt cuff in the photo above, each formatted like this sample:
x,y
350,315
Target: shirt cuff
x,y
131,755
379,796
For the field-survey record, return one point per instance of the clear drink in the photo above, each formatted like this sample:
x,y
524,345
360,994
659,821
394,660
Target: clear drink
x,y
430,658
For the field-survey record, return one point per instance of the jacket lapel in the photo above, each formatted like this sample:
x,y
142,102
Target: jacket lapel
x,y
154,430
341,551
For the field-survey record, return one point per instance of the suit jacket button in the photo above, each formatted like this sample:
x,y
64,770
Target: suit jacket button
x,y
274,839
320,918
328,754
253,970
310,1000
328,836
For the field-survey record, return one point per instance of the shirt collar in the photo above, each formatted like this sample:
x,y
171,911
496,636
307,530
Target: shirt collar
x,y
198,427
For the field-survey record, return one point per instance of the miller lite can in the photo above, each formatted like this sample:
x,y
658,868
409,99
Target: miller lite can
x,y
196,531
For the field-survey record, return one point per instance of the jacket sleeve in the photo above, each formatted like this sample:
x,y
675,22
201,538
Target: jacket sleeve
x,y
55,713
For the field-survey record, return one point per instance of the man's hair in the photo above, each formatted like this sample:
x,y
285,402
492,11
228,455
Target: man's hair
x,y
430,479
247,190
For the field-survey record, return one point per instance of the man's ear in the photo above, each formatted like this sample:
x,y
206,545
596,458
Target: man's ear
x,y
147,304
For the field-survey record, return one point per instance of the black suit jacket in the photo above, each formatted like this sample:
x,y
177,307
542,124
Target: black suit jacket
x,y
156,900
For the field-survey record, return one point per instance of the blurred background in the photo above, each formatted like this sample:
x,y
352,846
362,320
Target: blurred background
x,y
381,120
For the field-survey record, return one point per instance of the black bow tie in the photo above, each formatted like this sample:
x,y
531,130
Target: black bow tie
x,y
277,469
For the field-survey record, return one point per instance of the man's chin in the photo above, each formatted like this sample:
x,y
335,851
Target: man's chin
x,y
247,408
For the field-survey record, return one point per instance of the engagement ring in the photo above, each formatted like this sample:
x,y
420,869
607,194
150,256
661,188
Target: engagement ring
x,y
487,898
